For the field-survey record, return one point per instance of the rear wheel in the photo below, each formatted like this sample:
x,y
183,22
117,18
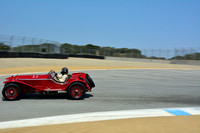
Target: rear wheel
x,y
76,91
11,92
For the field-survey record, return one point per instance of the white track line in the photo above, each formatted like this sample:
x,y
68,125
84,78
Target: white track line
x,y
96,116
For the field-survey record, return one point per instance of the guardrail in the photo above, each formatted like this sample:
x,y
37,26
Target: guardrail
x,y
8,54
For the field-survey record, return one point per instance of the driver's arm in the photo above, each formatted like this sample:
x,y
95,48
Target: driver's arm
x,y
64,77
59,76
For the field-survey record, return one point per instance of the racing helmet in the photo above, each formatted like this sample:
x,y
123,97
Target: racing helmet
x,y
64,71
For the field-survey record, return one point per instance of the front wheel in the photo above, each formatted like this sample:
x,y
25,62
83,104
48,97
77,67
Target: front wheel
x,y
76,91
11,92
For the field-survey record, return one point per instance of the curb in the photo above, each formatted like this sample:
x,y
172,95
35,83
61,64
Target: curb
x,y
99,116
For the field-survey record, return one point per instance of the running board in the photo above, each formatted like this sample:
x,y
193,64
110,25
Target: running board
x,y
62,92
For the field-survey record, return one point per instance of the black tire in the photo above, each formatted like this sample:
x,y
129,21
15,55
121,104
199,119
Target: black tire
x,y
11,92
90,81
76,91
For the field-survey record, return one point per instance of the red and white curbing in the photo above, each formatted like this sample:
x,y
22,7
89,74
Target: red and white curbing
x,y
96,116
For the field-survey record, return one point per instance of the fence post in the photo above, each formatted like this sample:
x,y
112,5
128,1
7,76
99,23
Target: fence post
x,y
167,54
40,47
11,43
145,53
193,55
175,54
152,53
23,42
159,54
32,47
184,53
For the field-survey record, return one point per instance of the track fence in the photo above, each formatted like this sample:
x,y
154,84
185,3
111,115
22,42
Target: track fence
x,y
28,44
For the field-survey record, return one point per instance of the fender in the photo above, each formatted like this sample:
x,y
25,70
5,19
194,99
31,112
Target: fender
x,y
84,83
17,81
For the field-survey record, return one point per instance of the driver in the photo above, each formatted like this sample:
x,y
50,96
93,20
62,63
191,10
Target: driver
x,y
63,76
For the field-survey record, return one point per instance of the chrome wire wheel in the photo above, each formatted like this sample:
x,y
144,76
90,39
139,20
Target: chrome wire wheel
x,y
76,91
11,92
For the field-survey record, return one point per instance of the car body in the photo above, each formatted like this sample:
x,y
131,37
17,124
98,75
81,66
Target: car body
x,y
75,86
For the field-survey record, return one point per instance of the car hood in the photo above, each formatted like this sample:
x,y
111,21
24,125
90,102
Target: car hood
x,y
31,76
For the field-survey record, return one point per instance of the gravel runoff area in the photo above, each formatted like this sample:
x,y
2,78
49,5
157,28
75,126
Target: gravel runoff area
x,y
184,124
176,124
29,65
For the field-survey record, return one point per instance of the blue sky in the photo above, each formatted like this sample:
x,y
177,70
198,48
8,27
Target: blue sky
x,y
139,24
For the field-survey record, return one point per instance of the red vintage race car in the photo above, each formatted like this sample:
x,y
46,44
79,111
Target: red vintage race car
x,y
75,86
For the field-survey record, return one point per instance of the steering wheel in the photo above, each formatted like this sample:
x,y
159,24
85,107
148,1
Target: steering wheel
x,y
52,74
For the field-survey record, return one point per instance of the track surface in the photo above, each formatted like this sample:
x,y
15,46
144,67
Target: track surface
x,y
115,90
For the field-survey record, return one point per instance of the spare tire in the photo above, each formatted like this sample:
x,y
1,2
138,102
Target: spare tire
x,y
89,81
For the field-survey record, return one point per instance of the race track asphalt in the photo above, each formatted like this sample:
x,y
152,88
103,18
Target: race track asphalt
x,y
115,90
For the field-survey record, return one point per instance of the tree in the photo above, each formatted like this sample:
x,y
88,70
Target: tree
x,y
91,46
4,47
194,56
